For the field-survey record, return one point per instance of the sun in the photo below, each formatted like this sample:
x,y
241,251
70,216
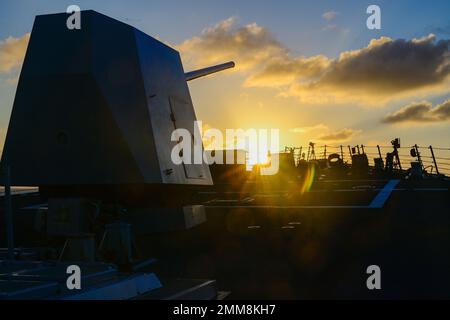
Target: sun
x,y
260,156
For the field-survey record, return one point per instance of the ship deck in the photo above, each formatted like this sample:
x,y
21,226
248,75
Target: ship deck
x,y
318,245
285,244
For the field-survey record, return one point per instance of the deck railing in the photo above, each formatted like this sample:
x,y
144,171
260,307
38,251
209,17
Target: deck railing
x,y
435,160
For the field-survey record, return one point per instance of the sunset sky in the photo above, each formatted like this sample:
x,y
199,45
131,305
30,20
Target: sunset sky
x,y
310,68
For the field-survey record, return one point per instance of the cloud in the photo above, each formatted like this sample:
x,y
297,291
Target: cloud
x,y
330,27
339,136
318,127
330,15
3,131
390,66
384,70
283,71
247,45
420,112
14,80
327,135
12,53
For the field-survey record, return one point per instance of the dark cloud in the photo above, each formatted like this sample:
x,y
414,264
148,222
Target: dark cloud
x,y
339,136
420,112
391,66
383,70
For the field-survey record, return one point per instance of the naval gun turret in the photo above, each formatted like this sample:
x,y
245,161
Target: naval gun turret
x,y
94,112
92,125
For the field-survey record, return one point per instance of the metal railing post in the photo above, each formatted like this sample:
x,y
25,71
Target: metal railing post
x,y
419,159
397,156
434,159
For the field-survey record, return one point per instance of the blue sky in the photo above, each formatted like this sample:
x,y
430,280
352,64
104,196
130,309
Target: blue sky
x,y
300,28
293,22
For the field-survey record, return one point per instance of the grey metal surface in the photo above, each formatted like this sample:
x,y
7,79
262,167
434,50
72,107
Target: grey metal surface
x,y
154,220
47,280
26,290
192,75
124,288
95,107
184,289
68,216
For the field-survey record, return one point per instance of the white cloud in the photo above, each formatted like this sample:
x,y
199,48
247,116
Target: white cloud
x,y
12,53
330,15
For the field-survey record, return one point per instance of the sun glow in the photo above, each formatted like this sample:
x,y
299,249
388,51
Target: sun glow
x,y
258,157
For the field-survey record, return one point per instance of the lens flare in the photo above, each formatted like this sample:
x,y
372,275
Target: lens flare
x,y
309,177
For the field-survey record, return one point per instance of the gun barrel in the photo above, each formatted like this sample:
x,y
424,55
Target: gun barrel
x,y
207,71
